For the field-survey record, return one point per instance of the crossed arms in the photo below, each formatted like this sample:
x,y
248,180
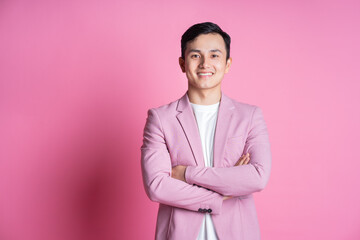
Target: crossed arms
x,y
162,183
178,172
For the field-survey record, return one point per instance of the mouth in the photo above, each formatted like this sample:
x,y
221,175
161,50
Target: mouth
x,y
205,74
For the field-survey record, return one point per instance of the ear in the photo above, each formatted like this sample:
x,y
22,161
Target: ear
x,y
182,64
228,64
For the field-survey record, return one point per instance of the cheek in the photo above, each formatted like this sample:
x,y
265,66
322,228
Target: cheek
x,y
190,70
220,66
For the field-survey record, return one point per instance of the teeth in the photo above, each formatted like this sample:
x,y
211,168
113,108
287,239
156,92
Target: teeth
x,y
205,74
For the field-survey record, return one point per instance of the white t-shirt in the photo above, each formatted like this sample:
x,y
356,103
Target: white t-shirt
x,y
206,116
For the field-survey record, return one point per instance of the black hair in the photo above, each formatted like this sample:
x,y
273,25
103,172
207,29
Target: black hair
x,y
204,28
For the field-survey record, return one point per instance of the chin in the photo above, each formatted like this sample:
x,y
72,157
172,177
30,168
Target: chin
x,y
205,87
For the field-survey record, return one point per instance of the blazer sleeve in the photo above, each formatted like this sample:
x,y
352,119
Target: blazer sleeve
x,y
243,179
156,171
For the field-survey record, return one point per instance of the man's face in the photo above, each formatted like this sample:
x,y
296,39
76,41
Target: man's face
x,y
205,62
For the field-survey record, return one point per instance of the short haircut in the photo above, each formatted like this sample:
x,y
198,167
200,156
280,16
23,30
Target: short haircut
x,y
204,28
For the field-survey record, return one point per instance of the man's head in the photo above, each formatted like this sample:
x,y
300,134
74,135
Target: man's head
x,y
205,55
204,28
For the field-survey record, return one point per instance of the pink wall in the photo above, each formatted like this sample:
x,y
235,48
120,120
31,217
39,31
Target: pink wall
x,y
76,80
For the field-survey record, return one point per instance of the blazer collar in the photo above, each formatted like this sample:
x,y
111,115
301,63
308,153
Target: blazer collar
x,y
188,122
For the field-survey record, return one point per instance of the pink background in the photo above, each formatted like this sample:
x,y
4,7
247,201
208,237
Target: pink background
x,y
76,80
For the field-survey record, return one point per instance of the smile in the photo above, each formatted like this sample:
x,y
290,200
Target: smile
x,y
205,74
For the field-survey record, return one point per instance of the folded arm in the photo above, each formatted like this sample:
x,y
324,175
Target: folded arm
x,y
243,179
156,170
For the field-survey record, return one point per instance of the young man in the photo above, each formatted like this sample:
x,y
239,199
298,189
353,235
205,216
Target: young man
x,y
204,154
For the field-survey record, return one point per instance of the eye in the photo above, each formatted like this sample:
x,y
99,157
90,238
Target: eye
x,y
195,56
214,55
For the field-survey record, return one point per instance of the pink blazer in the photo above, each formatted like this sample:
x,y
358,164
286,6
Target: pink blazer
x,y
171,138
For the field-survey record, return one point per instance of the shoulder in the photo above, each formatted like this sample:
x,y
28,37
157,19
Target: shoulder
x,y
253,113
242,107
249,112
166,109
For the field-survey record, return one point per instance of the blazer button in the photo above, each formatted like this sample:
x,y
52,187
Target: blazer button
x,y
200,210
209,210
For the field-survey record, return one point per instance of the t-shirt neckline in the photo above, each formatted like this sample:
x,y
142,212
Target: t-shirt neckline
x,y
205,108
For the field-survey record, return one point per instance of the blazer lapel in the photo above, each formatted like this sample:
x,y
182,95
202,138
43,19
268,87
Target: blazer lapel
x,y
222,128
188,123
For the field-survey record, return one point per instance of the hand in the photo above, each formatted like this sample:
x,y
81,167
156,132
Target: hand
x,y
178,172
227,197
245,159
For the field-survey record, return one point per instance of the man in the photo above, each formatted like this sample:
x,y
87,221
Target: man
x,y
204,154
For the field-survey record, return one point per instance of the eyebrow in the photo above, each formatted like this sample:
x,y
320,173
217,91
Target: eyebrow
x,y
198,51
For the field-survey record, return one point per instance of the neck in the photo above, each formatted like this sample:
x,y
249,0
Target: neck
x,y
204,97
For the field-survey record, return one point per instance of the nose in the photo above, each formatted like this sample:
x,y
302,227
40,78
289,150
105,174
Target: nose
x,y
204,62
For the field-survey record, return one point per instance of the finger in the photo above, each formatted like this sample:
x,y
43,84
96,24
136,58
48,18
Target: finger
x,y
247,160
242,162
241,158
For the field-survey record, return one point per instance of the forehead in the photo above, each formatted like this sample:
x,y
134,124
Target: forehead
x,y
206,42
